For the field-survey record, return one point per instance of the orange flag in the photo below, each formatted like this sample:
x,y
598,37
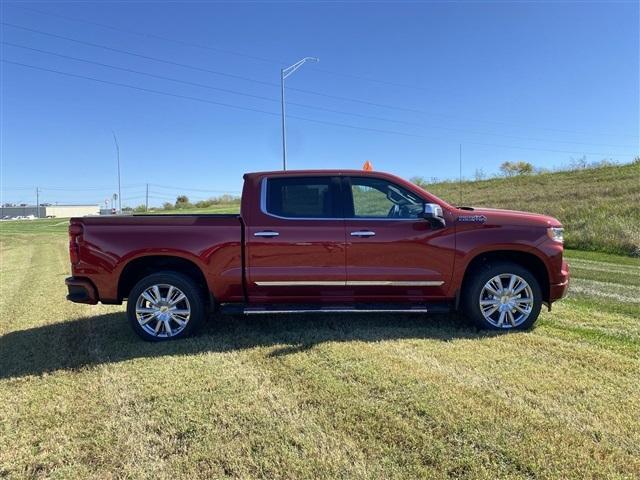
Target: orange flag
x,y
368,166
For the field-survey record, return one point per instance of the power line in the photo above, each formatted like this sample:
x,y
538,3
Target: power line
x,y
214,49
74,188
391,132
516,147
260,97
321,94
139,55
155,36
186,97
173,187
202,85
222,104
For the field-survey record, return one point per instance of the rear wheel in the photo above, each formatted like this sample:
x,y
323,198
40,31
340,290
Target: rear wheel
x,y
502,296
165,306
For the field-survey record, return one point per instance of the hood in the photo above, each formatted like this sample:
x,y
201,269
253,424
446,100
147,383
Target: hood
x,y
498,216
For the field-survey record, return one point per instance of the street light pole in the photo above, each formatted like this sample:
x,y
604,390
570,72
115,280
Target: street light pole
x,y
284,123
284,73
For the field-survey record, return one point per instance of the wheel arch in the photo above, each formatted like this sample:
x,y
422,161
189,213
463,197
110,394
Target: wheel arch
x,y
525,259
140,267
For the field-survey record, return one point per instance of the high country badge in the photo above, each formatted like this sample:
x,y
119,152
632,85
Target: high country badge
x,y
472,218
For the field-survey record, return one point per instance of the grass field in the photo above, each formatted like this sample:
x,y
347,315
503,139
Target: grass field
x,y
384,396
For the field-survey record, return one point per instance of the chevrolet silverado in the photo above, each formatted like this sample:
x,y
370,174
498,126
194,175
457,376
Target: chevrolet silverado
x,y
320,241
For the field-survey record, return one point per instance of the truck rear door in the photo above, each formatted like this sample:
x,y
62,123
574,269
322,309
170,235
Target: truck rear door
x,y
295,240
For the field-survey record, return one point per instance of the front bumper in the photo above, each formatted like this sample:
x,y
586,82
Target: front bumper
x,y
559,290
81,290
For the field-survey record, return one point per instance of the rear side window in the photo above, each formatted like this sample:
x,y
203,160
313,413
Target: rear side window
x,y
302,197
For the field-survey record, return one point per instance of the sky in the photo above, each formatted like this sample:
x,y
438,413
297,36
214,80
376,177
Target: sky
x,y
191,91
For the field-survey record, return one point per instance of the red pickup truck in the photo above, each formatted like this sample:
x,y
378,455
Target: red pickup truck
x,y
320,240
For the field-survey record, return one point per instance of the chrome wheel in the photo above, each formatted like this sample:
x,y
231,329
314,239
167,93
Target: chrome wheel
x,y
506,300
163,310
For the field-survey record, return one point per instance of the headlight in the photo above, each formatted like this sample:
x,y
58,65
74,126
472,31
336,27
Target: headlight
x,y
556,234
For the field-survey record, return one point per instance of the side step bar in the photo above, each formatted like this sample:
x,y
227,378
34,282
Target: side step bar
x,y
234,308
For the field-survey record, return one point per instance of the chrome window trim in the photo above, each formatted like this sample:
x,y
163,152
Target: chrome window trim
x,y
351,283
263,208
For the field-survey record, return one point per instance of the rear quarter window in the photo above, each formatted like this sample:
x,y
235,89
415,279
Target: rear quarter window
x,y
300,197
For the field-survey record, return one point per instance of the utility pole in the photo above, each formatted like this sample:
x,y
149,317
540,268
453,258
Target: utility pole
x,y
460,181
37,202
284,73
146,200
115,139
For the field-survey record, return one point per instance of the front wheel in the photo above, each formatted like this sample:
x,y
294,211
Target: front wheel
x,y
502,296
165,306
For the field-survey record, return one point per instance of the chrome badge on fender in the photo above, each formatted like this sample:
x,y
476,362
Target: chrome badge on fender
x,y
472,218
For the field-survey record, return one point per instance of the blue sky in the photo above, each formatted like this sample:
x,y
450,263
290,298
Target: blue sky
x,y
543,82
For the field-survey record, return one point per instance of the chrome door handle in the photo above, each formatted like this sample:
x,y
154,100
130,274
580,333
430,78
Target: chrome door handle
x,y
363,233
266,233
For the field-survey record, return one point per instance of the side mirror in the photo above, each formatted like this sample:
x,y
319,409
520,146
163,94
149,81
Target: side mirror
x,y
433,214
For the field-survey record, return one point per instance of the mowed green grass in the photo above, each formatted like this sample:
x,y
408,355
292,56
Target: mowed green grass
x,y
340,396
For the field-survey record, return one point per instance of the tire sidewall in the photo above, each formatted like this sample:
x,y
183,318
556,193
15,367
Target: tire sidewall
x,y
471,294
184,283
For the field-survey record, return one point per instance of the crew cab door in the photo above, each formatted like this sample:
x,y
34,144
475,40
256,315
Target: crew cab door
x,y
392,252
295,240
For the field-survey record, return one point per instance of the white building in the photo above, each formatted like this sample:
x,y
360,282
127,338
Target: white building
x,y
51,211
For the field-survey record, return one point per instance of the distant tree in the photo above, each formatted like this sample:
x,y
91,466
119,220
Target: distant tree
x,y
140,208
226,198
419,181
511,169
168,206
479,174
182,201
578,163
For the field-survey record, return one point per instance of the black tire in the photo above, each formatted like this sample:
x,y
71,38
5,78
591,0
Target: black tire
x,y
473,289
194,303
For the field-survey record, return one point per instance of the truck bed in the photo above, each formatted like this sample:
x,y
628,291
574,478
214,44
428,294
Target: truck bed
x,y
211,242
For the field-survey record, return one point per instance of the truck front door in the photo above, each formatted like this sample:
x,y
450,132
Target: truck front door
x,y
393,253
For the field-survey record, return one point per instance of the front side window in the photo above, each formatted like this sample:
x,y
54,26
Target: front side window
x,y
377,198
301,197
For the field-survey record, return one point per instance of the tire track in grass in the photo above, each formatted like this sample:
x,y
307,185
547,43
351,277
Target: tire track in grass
x,y
606,290
594,265
16,283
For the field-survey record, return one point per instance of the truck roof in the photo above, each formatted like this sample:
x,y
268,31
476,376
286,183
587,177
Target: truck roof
x,y
318,172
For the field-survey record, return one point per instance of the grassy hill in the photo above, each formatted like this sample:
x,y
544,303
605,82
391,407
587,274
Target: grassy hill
x,y
599,207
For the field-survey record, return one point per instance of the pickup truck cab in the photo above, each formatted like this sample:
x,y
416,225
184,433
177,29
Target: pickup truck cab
x,y
321,240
